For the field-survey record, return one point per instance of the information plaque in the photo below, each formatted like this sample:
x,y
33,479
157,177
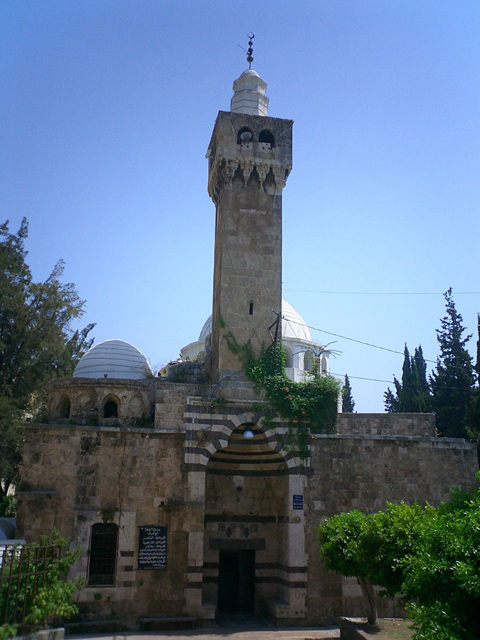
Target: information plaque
x,y
152,547
298,502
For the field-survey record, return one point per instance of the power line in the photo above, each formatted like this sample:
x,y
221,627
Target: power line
x,y
385,293
368,344
338,335
342,375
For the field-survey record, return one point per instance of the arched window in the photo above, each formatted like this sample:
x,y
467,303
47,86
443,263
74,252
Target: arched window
x,y
308,361
324,367
103,554
244,136
64,407
288,357
267,137
110,408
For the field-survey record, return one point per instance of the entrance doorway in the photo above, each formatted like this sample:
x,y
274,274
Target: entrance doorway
x,y
236,581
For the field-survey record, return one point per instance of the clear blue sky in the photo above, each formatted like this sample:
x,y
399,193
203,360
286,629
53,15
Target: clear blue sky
x,y
107,111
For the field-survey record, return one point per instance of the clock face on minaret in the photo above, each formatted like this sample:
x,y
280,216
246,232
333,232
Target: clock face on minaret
x,y
250,158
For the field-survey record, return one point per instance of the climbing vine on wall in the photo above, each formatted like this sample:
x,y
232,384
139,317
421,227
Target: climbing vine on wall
x,y
306,406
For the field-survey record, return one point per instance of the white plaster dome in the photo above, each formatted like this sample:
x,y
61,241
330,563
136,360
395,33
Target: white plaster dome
x,y
113,359
293,325
206,329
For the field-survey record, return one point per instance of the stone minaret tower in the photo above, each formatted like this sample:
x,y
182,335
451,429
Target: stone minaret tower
x,y
250,157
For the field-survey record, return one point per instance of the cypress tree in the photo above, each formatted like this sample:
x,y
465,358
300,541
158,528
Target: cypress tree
x,y
474,418
423,399
412,393
452,382
348,404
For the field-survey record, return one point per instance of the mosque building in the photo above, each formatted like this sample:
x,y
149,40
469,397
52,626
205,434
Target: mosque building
x,y
185,501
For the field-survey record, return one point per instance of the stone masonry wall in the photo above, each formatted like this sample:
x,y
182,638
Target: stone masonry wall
x,y
73,475
86,397
387,424
363,472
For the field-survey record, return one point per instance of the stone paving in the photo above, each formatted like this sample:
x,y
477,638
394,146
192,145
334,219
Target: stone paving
x,y
272,633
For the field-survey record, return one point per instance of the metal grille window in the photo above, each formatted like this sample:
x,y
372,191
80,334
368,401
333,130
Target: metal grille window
x,y
103,554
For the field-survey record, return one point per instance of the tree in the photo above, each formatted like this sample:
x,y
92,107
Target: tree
x,y
474,417
340,539
37,342
348,404
412,394
429,555
452,382
371,547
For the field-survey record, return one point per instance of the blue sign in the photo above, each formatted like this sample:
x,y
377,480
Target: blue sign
x,y
298,502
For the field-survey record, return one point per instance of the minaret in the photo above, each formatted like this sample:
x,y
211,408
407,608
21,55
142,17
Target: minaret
x,y
249,159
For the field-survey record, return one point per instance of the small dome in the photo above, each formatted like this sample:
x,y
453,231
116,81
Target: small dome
x,y
206,330
249,94
250,72
293,325
113,359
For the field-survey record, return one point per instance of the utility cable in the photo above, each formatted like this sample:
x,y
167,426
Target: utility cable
x,y
385,293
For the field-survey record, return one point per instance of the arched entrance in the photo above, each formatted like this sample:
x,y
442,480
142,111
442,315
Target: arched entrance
x,y
245,523
250,553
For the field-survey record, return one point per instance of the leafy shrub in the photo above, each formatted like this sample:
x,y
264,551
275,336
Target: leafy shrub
x,y
429,555
34,581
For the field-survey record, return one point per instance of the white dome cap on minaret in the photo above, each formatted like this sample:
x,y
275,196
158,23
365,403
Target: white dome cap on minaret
x,y
249,95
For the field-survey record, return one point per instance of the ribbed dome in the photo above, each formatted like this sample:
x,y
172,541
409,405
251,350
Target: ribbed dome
x,y
206,330
293,325
113,359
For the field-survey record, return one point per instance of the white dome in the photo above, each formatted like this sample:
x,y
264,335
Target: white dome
x,y
206,329
113,359
293,325
249,72
249,94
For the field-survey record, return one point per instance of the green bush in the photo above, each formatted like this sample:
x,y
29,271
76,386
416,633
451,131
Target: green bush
x,y
8,507
306,406
429,555
54,598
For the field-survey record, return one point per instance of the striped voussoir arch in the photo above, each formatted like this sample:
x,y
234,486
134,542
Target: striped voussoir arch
x,y
214,442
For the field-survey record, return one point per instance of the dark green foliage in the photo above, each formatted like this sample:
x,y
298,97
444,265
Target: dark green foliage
x,y
8,506
310,405
452,382
48,596
474,416
348,404
430,555
412,394
36,342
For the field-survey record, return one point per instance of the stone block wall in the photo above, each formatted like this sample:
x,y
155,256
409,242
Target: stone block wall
x,y
75,475
363,472
82,401
387,424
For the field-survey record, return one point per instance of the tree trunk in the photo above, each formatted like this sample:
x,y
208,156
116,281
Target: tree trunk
x,y
369,595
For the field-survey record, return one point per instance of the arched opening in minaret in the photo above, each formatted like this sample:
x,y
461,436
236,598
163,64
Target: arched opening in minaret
x,y
244,136
267,137
246,524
